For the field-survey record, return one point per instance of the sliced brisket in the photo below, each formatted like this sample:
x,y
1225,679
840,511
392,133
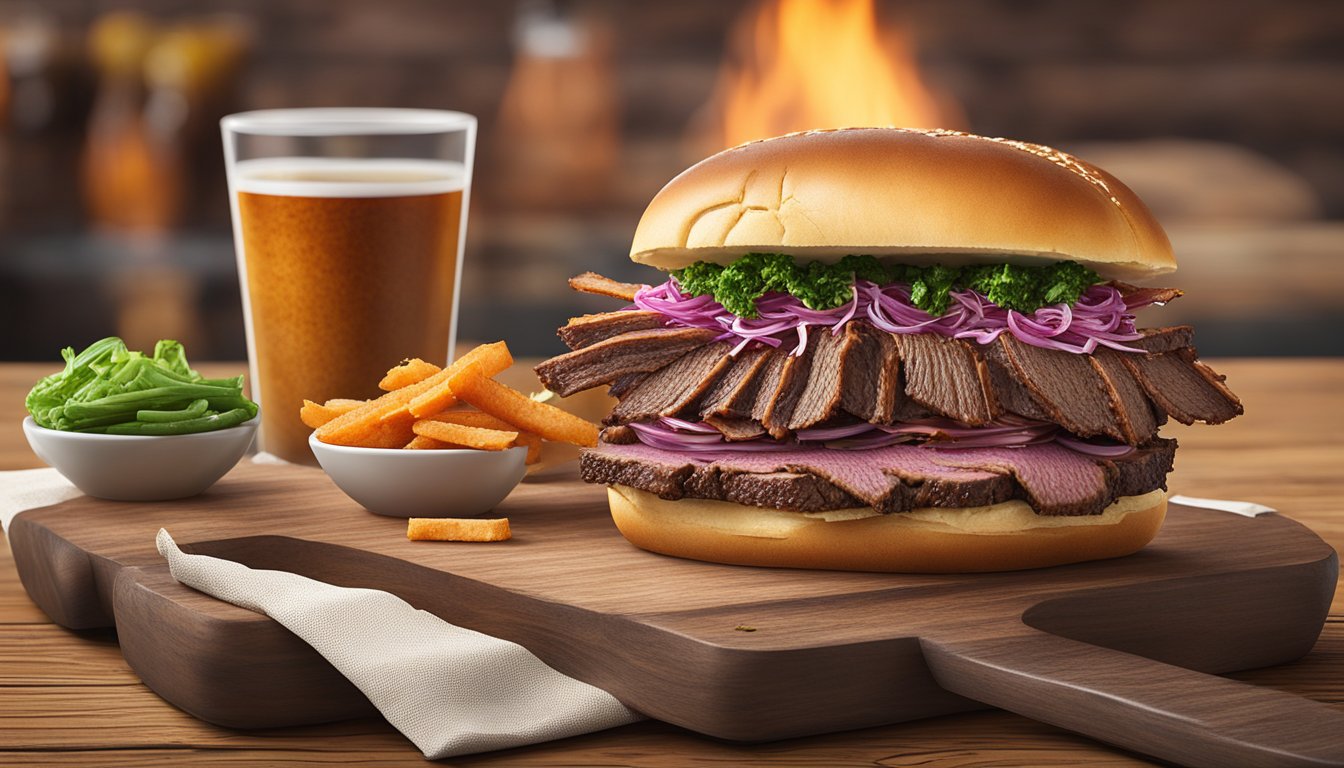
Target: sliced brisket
x,y
620,435
591,282
623,384
605,361
777,490
1055,480
1013,396
871,383
885,378
767,382
1136,295
735,429
733,393
821,395
1164,339
1184,388
1064,385
585,331
1134,414
792,381
1145,469
670,389
948,376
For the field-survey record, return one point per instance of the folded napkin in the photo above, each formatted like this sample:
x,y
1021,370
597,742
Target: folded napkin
x,y
1243,508
451,691
25,489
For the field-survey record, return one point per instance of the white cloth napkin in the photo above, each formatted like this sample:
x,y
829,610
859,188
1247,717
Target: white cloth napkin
x,y
25,489
451,691
1243,508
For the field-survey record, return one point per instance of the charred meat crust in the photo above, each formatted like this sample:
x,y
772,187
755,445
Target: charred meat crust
x,y
591,282
1184,388
606,361
587,330
911,477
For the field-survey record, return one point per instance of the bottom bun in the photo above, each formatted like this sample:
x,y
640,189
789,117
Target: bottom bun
x,y
1002,537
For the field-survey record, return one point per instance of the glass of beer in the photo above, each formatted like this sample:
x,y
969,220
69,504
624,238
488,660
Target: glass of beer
x,y
349,226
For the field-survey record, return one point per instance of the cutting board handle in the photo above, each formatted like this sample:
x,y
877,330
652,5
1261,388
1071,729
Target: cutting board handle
x,y
1161,710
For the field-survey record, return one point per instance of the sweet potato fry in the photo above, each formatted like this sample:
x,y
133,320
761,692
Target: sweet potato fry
x,y
472,384
422,443
343,403
532,443
434,399
316,414
457,529
432,402
479,419
388,416
393,433
469,437
473,418
409,372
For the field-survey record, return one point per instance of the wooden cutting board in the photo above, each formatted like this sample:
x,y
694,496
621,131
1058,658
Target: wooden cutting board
x,y
1117,649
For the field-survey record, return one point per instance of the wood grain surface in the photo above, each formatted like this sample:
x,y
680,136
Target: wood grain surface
x,y
831,651
1289,457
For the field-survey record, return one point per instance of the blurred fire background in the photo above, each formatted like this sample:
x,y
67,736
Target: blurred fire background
x,y
1227,117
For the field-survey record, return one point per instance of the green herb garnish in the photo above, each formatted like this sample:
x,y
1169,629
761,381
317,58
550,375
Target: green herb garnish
x,y
739,285
108,388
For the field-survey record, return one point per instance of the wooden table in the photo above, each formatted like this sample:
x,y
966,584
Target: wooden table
x,y
67,698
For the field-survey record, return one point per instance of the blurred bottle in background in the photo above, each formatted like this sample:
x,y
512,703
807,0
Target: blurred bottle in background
x,y
161,91
559,121
126,179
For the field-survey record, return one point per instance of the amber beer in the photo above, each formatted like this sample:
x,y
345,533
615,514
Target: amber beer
x,y
349,266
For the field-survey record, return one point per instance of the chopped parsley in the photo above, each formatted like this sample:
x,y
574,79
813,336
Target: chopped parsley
x,y
738,285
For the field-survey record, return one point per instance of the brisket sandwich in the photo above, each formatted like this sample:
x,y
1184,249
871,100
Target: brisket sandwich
x,y
890,350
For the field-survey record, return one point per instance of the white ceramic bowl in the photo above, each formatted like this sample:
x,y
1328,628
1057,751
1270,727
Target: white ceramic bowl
x,y
141,467
429,483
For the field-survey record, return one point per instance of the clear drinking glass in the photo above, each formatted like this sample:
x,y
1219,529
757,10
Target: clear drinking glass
x,y
349,226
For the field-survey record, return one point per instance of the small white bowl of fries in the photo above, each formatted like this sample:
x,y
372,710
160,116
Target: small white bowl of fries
x,y
449,442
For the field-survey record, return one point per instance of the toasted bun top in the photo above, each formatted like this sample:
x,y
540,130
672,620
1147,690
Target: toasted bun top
x,y
914,196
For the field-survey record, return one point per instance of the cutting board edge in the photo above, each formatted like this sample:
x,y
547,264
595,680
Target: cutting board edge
x,y
58,576
192,659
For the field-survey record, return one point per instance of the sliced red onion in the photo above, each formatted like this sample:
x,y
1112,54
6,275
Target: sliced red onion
x,y
876,440
689,426
935,433
667,438
822,434
1109,451
1102,316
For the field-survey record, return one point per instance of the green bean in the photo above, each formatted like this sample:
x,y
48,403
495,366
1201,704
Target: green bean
x,y
207,423
109,385
158,397
197,408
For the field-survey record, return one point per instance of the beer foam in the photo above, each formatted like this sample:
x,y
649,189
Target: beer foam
x,y
347,177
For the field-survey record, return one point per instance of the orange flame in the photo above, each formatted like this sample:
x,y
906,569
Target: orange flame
x,y
804,64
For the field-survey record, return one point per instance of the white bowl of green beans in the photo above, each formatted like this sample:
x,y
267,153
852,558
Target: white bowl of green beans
x,y
141,467
131,427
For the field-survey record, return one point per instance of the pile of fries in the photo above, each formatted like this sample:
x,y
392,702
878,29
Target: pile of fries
x,y
461,406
